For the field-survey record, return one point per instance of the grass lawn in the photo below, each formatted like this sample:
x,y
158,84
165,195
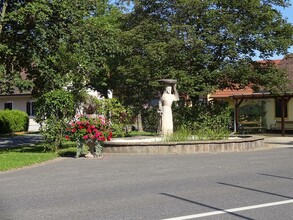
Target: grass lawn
x,y
12,158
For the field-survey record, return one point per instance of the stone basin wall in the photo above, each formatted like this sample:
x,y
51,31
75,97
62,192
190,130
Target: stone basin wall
x,y
243,143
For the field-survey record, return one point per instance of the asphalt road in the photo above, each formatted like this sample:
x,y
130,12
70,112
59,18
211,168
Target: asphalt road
x,y
218,186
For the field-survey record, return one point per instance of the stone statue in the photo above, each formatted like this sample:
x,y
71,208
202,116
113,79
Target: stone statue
x,y
165,107
110,93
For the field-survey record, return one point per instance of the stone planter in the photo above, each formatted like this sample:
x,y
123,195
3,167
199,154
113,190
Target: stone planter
x,y
95,149
94,146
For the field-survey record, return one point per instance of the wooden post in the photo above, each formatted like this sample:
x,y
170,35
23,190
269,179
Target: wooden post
x,y
236,113
283,117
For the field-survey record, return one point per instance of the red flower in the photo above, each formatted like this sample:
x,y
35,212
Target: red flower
x,y
67,137
88,128
80,127
109,136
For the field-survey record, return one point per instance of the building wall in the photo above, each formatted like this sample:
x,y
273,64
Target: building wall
x,y
19,103
271,112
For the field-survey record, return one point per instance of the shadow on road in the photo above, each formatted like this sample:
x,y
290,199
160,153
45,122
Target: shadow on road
x,y
282,177
255,190
205,205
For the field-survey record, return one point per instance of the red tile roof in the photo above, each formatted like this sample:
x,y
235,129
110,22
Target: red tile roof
x,y
276,62
225,93
285,63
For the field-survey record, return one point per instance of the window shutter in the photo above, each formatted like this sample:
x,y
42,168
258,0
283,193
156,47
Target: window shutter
x,y
28,108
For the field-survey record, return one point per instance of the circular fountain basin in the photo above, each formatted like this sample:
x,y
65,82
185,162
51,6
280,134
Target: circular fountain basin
x,y
155,145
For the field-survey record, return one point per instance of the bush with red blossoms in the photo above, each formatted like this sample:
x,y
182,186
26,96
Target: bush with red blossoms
x,y
89,129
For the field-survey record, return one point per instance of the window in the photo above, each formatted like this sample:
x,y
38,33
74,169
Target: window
x,y
30,108
8,105
278,109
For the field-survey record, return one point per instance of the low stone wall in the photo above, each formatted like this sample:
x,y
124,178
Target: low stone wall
x,y
240,143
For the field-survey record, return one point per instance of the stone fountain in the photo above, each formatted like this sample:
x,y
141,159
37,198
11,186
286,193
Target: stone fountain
x,y
157,145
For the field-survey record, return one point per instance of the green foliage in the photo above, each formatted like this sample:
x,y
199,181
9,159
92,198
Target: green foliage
x,y
53,111
120,116
150,119
13,121
54,43
204,44
213,128
182,134
206,120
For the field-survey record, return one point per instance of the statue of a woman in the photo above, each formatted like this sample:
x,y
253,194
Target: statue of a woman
x,y
165,105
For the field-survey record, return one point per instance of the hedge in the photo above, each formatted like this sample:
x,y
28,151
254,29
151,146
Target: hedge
x,y
13,121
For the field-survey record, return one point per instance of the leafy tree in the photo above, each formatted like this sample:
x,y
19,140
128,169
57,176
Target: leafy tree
x,y
54,43
204,44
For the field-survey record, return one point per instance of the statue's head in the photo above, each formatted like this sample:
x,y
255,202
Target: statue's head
x,y
168,89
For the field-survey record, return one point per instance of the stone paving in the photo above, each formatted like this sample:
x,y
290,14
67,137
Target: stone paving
x,y
275,140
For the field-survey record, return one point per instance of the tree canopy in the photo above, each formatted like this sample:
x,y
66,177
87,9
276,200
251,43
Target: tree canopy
x,y
205,45
54,43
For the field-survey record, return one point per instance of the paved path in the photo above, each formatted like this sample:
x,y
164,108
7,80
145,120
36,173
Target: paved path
x,y
279,142
15,141
276,141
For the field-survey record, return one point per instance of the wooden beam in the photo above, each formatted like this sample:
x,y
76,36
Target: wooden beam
x,y
237,103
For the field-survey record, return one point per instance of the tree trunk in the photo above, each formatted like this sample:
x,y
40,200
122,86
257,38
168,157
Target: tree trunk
x,y
3,12
139,122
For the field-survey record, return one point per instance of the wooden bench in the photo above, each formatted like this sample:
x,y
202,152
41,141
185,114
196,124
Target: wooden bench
x,y
278,125
250,126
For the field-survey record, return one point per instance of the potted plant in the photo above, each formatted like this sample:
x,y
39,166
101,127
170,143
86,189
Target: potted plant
x,y
91,132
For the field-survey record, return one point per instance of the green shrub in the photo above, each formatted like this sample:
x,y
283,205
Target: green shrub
x,y
205,120
53,111
119,115
13,121
150,119
181,134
